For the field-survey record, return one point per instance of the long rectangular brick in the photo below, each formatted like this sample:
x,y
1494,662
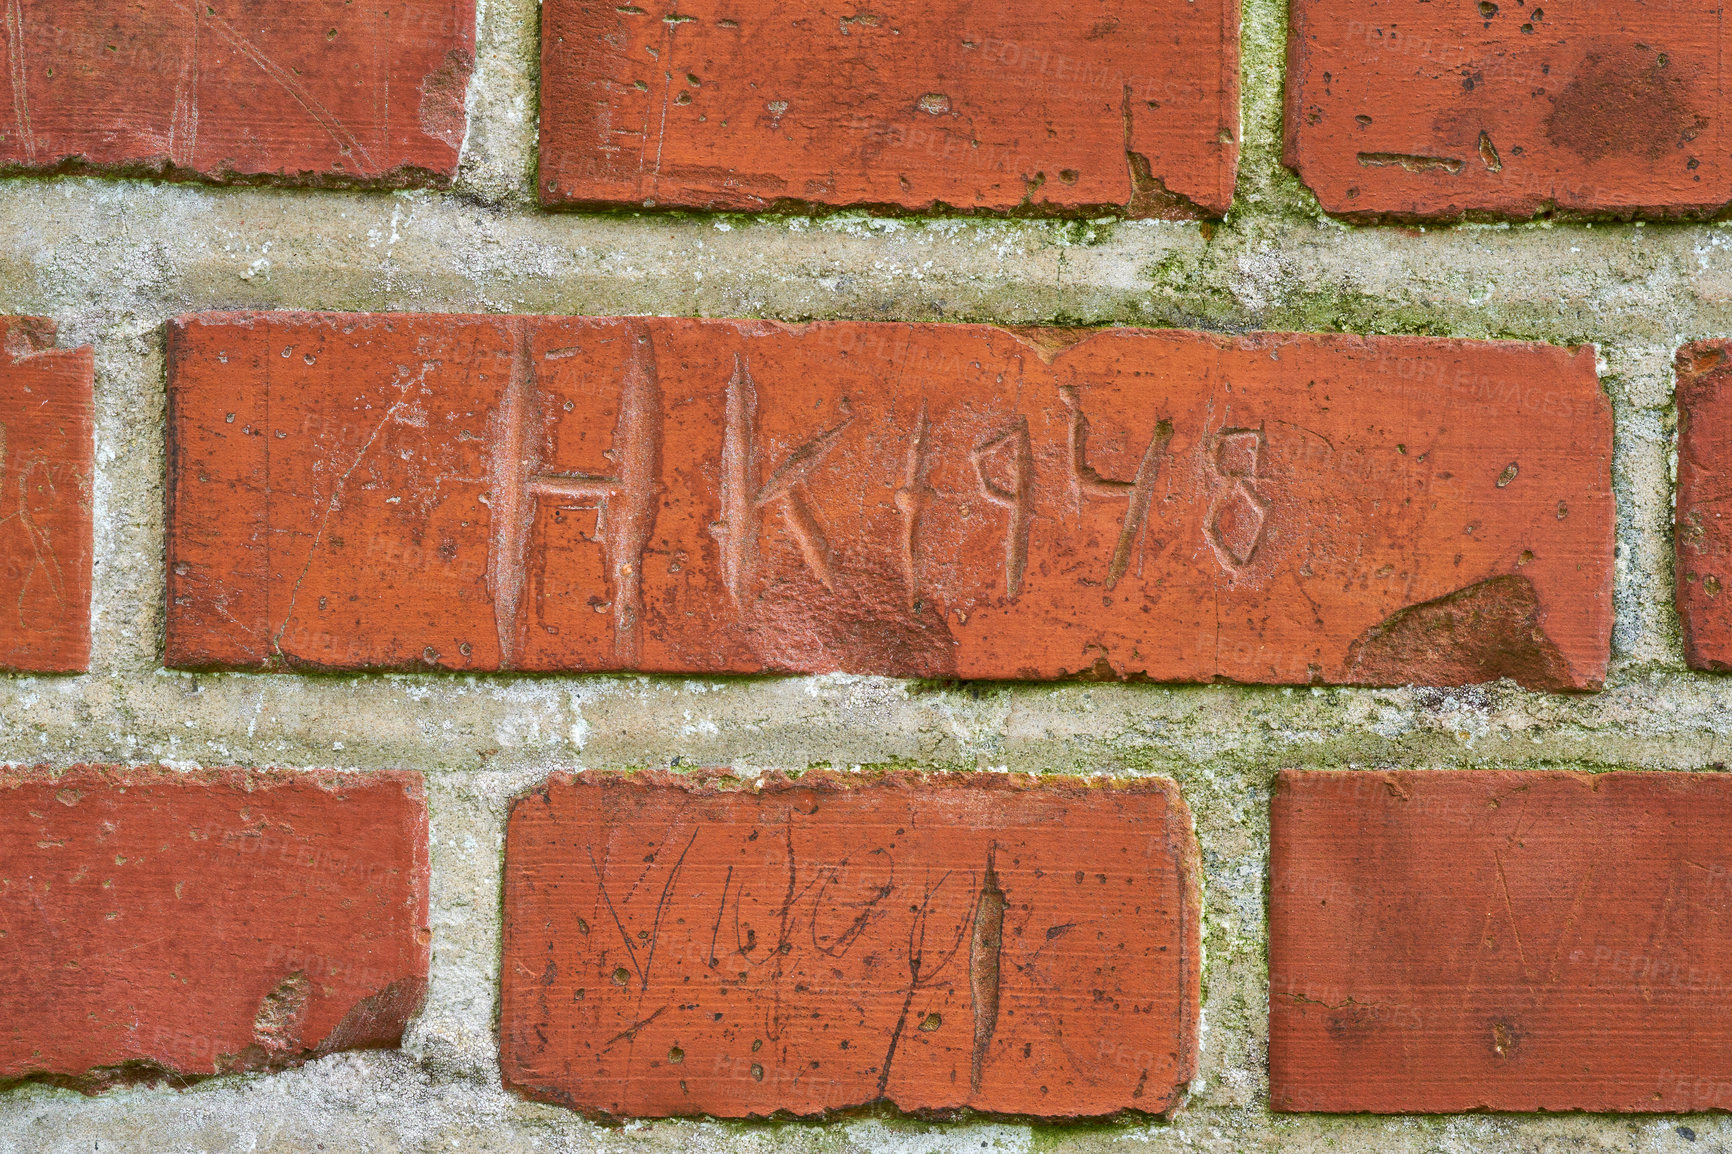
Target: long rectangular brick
x,y
1434,111
323,91
481,493
185,924
47,465
1702,535
676,947
1130,107
1445,941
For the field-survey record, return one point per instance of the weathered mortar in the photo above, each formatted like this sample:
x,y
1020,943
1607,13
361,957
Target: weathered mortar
x,y
113,260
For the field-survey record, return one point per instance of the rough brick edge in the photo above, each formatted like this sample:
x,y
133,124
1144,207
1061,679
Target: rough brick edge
x,y
1297,17
1180,839
30,338
1150,200
1700,373
380,1021
401,177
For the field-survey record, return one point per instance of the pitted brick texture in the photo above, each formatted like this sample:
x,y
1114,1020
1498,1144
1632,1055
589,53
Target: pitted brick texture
x,y
155,922
1438,109
1123,105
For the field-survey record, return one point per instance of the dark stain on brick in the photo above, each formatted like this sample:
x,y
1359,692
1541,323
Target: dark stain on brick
x,y
1624,100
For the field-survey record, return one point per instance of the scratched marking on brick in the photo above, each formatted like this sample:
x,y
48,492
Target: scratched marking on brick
x,y
938,942
47,451
326,91
157,923
943,501
1518,941
1128,106
1455,107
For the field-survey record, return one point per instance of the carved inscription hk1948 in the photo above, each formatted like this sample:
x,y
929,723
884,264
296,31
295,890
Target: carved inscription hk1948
x,y
678,948
46,459
947,500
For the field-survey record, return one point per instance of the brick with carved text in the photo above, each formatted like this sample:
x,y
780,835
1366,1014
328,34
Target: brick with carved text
x,y
675,946
1124,106
1702,538
1444,941
187,924
1440,110
574,494
321,91
47,449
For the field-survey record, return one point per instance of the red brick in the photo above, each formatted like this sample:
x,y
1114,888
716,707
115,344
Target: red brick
x,y
1128,106
1445,941
1703,537
327,91
676,947
46,470
1436,110
198,923
578,494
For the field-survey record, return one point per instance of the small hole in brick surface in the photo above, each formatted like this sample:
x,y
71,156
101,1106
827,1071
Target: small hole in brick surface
x,y
932,1022
621,976
757,1072
676,1055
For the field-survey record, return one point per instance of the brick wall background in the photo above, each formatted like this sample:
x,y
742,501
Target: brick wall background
x,y
112,261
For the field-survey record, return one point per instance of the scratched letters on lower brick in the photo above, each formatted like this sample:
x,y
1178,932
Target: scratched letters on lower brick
x,y
673,948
